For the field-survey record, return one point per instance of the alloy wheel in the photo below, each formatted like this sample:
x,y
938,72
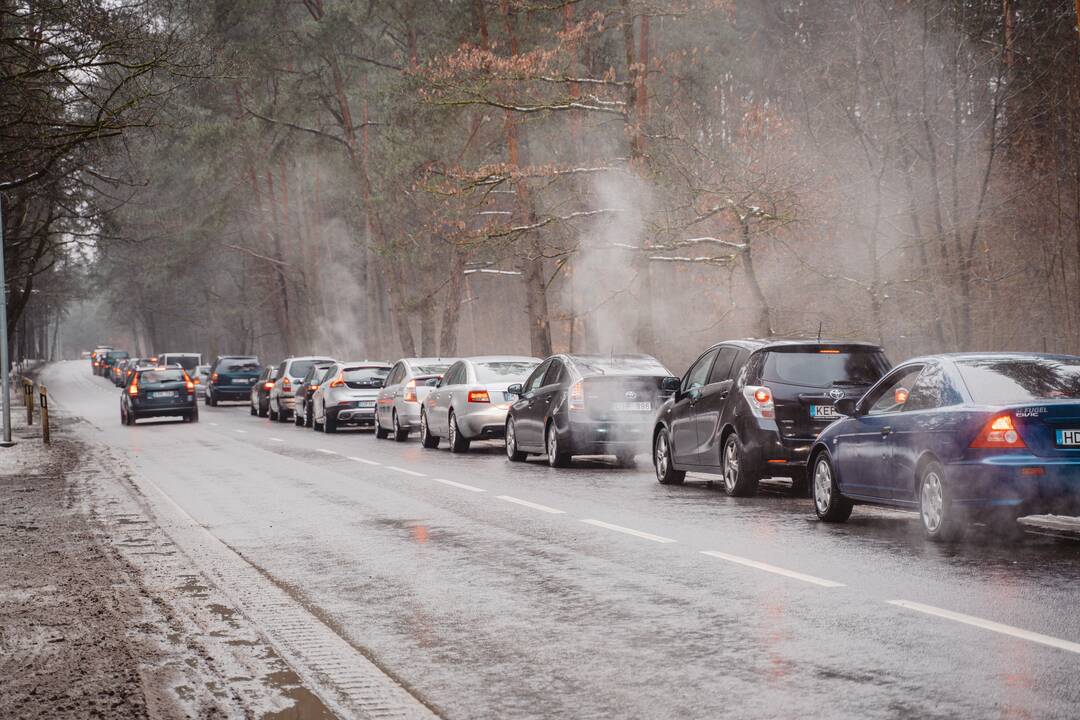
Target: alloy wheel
x,y
511,440
822,486
731,464
932,507
662,457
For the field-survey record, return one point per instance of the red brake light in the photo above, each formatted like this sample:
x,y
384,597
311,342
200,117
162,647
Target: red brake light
x,y
829,351
268,384
577,396
214,377
760,400
999,433
286,384
410,391
479,396
762,395
133,389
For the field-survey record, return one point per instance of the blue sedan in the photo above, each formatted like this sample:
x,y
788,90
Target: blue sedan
x,y
963,437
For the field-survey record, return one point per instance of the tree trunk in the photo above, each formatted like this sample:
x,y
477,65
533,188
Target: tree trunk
x,y
455,294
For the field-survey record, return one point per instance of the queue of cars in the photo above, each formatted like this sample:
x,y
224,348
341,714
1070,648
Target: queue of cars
x,y
958,438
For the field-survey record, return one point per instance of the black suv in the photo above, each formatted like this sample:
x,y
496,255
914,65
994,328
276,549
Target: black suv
x,y
748,409
231,378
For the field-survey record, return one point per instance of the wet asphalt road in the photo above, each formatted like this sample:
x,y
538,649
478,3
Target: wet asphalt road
x,y
510,591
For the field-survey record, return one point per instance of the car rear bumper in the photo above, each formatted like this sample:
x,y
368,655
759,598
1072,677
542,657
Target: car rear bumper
x,y
483,423
352,415
230,392
1027,481
774,455
593,437
166,411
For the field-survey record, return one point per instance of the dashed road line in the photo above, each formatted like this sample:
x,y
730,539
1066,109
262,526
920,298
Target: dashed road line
x,y
238,430
277,439
628,531
326,452
407,472
362,460
990,625
773,569
534,506
463,486
213,424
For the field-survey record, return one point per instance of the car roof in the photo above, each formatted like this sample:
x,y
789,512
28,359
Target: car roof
x,y
1002,355
366,363
502,358
425,360
192,354
769,343
317,358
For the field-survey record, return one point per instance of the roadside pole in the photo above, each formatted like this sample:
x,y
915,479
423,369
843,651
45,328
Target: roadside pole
x,y
4,379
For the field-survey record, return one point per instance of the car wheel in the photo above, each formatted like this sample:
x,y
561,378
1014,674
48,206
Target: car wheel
x,y
270,411
264,411
512,452
298,419
282,415
309,417
426,438
942,521
131,418
330,423
211,400
458,443
380,432
829,504
556,457
251,408
740,479
123,416
400,434
663,463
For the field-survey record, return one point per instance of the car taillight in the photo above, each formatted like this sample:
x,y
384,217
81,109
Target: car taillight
x,y
999,433
133,389
214,377
479,396
313,388
410,391
577,396
339,381
286,384
97,364
760,400
268,384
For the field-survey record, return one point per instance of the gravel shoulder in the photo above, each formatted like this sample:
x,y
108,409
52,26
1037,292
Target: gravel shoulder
x,y
101,615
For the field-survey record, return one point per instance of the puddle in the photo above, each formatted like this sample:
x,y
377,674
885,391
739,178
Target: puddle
x,y
225,613
305,705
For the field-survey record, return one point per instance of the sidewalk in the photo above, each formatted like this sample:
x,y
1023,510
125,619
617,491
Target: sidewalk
x,y
102,616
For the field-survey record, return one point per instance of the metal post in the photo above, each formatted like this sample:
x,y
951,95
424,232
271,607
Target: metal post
x,y
4,379
44,413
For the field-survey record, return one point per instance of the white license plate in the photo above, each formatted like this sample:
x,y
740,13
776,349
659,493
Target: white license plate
x,y
165,394
631,406
1068,438
823,412
366,404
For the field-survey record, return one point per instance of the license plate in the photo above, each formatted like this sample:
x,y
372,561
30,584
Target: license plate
x,y
631,406
1068,438
366,404
823,412
166,394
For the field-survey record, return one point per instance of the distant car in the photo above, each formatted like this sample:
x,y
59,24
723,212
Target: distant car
x,y
750,409
108,360
188,361
119,372
586,405
397,411
158,392
289,374
201,377
302,410
347,395
959,438
472,399
97,355
259,395
232,378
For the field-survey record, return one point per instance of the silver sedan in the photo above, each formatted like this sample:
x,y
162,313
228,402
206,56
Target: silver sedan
x,y
347,395
471,400
398,407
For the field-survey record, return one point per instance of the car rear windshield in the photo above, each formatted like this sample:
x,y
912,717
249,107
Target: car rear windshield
x,y
430,369
1004,381
493,372
239,365
621,365
152,377
116,354
188,362
820,368
370,376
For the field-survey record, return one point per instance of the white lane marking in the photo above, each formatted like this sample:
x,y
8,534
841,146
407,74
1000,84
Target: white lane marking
x,y
328,452
407,472
463,486
242,432
990,625
362,460
772,568
534,506
629,531
277,439
213,424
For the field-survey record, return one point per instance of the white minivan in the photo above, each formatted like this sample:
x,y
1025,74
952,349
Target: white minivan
x,y
188,361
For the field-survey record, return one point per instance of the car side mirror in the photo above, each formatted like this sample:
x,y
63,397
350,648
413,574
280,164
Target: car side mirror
x,y
847,406
670,385
515,389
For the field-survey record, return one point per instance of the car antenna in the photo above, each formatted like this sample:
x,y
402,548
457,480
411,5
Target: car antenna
x,y
819,330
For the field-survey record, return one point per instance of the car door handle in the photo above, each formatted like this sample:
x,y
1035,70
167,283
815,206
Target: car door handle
x,y
886,431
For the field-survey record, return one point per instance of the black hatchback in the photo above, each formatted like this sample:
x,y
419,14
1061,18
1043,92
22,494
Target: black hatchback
x,y
751,409
158,392
231,378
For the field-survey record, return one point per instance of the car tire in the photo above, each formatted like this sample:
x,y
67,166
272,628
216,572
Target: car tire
x,y
512,452
663,462
194,415
556,457
942,521
254,412
426,438
740,480
400,434
282,415
330,424
829,504
381,433
298,419
309,417
211,400
264,412
131,418
270,411
458,443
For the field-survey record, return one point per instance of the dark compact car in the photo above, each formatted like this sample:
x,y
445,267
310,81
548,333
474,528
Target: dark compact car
x,y
231,378
748,409
158,392
960,438
302,416
259,394
109,359
119,371
586,405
